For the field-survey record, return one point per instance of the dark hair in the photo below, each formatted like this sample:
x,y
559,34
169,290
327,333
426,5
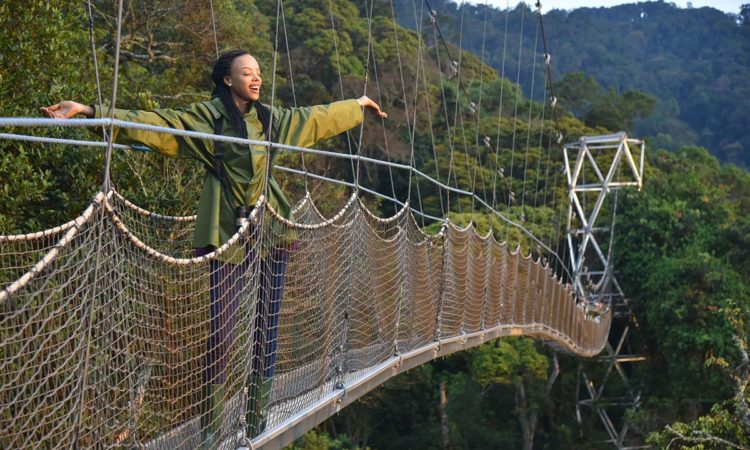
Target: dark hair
x,y
222,68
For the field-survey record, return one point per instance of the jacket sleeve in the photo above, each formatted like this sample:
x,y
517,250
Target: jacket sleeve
x,y
303,127
164,143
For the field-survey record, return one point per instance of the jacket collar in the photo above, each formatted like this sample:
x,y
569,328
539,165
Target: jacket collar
x,y
218,109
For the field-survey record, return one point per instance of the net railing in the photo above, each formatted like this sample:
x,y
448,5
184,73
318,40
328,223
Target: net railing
x,y
114,335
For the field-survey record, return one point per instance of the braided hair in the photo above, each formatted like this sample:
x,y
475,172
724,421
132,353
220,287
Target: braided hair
x,y
222,68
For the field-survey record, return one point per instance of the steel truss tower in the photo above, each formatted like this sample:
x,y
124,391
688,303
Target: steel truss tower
x,y
592,214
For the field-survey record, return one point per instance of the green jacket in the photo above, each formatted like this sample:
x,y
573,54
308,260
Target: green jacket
x,y
244,166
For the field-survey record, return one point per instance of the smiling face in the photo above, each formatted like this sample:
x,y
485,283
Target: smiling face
x,y
244,79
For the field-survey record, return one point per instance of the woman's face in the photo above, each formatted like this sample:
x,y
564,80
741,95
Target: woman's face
x,y
244,78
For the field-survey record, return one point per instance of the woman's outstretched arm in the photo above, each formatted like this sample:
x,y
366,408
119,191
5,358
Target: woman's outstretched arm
x,y
303,127
192,118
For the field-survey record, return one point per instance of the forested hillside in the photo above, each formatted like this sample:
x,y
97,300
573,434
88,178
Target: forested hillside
x,y
682,242
695,62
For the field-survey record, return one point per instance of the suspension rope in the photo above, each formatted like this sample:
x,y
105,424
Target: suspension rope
x,y
486,142
341,85
450,130
420,47
96,65
403,88
548,64
273,94
511,194
364,87
540,146
213,25
420,62
456,71
382,120
528,132
110,138
459,113
294,93
498,169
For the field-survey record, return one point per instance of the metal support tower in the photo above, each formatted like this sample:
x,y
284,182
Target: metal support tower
x,y
592,269
590,248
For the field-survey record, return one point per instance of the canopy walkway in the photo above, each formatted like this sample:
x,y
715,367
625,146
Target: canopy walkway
x,y
105,320
105,323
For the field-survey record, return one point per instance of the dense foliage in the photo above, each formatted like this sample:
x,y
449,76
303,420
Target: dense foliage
x,y
682,250
696,62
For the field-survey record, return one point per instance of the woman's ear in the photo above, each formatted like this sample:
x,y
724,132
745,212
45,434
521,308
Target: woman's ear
x,y
228,80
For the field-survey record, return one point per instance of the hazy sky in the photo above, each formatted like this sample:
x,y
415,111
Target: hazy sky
x,y
732,6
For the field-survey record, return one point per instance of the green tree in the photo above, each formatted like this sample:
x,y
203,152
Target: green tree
x,y
587,100
43,48
322,441
727,424
517,362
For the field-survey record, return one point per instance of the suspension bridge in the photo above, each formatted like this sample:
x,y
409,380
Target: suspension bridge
x,y
104,319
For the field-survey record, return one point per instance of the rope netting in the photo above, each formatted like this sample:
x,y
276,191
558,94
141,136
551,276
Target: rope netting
x,y
109,339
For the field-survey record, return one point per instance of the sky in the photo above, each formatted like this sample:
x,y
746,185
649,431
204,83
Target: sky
x,y
731,6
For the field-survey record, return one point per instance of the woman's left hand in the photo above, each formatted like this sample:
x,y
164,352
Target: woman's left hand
x,y
367,102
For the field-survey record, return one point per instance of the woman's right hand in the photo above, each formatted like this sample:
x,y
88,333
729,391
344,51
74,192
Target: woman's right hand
x,y
66,110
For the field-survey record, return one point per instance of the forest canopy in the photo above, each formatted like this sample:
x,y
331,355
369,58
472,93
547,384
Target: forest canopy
x,y
694,61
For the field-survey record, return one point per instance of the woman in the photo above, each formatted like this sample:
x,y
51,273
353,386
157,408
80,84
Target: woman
x,y
236,176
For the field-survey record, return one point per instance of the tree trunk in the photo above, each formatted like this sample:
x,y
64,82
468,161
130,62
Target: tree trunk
x,y
555,372
525,417
444,430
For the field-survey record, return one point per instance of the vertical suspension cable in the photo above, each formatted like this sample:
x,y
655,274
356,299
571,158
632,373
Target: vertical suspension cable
x,y
273,94
96,65
106,185
549,82
457,115
438,38
477,146
560,240
427,103
432,142
382,120
341,83
410,128
460,86
412,160
548,63
432,138
213,24
263,235
364,89
542,124
496,172
511,194
539,159
546,170
435,32
528,132
294,93
471,173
